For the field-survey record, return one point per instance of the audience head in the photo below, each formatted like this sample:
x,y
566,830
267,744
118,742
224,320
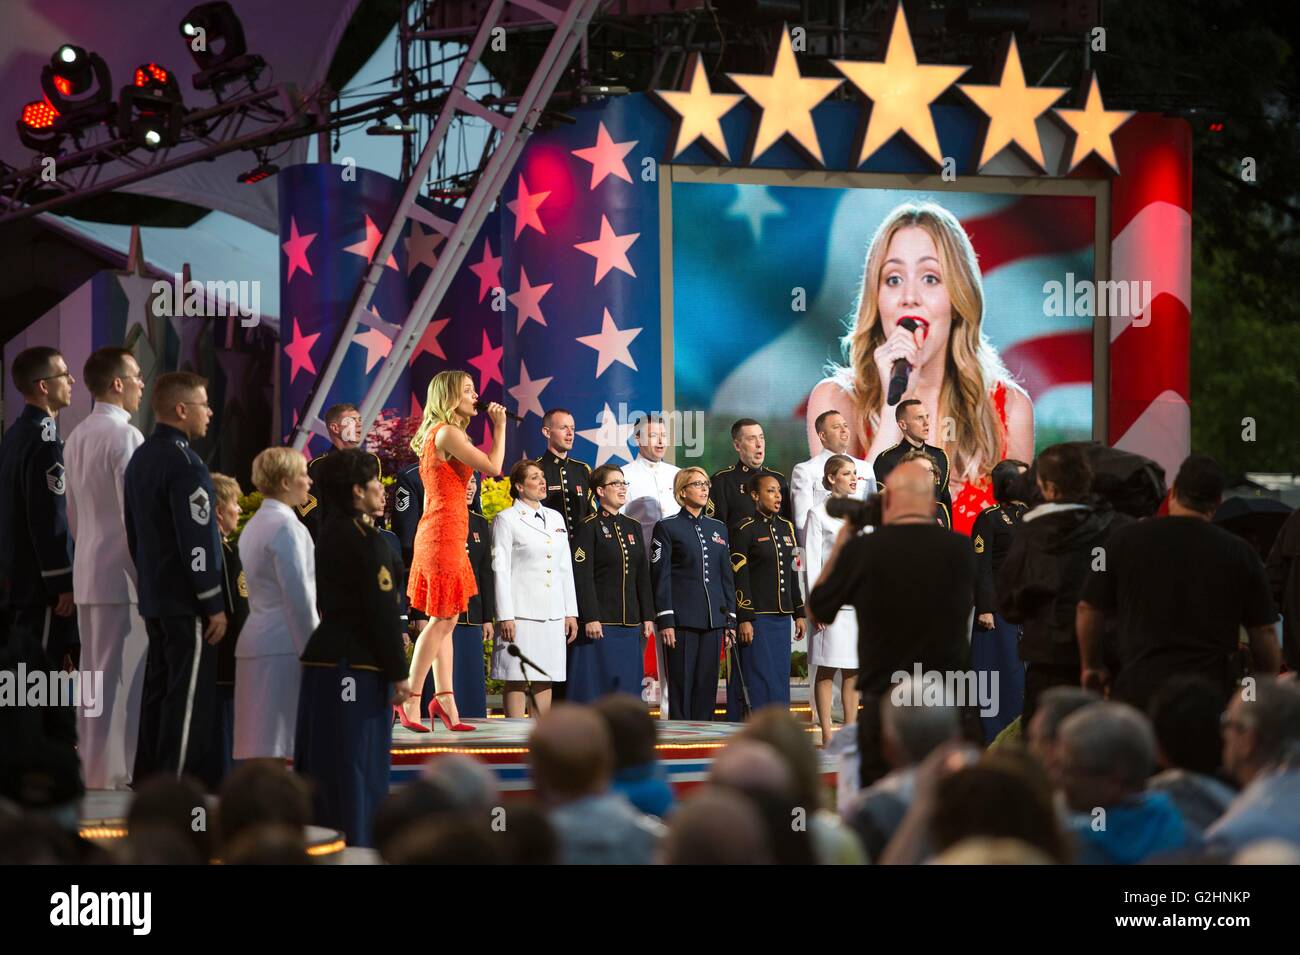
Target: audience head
x,y
228,509
171,804
1106,752
466,782
527,482
529,837
261,792
757,772
41,375
910,492
180,400
1007,486
1064,474
1053,707
833,432
632,730
913,420
652,438
454,839
691,487
749,441
716,827
281,473
1198,487
910,732
987,851
268,844
1261,729
993,801
157,845
1185,713
343,422
406,806
349,480
570,754
558,430
112,375
789,740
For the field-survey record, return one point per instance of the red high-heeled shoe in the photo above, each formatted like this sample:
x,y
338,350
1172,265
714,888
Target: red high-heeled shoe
x,y
400,714
437,712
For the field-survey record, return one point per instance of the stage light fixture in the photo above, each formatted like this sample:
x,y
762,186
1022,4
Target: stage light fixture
x,y
78,86
262,171
215,38
150,110
37,127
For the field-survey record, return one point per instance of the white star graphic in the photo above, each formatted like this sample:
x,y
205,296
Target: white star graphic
x,y
610,438
138,290
754,203
611,344
528,393
420,246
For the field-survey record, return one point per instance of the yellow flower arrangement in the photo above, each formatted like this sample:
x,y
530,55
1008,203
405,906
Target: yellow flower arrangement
x,y
494,493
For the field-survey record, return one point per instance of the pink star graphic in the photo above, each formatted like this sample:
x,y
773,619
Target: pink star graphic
x,y
429,341
524,206
296,249
606,157
611,344
528,392
488,363
485,442
376,344
528,300
488,270
610,250
367,246
299,352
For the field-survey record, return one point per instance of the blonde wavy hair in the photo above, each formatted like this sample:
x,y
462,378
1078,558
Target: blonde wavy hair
x,y
440,404
971,366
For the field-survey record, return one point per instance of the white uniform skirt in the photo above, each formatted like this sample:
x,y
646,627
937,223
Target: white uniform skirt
x,y
266,705
542,641
836,647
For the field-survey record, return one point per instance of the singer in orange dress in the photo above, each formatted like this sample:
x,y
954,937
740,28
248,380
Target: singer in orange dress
x,y
441,580
921,265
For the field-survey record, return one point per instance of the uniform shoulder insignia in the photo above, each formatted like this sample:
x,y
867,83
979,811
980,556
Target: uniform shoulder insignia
x,y
590,517
305,509
55,479
586,465
729,467
200,508
738,561
743,602
385,578
242,584
579,556
1006,519
745,523
979,544
776,472
709,509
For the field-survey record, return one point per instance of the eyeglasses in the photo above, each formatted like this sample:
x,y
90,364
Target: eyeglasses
x,y
62,374
699,484
614,484
198,404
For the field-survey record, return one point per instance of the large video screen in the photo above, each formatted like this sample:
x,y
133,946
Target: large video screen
x,y
782,308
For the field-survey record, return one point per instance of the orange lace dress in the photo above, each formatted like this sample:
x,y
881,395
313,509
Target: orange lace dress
x,y
441,579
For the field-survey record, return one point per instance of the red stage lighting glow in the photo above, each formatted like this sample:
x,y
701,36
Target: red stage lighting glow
x,y
39,115
64,86
150,73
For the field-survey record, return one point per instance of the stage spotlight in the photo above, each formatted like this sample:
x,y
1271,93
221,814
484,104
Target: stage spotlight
x,y
215,38
77,85
150,111
37,127
262,171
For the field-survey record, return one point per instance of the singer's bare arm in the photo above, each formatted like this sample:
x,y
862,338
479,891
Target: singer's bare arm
x,y
455,443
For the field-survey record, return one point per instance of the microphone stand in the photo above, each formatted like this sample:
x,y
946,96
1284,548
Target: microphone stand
x,y
733,660
528,683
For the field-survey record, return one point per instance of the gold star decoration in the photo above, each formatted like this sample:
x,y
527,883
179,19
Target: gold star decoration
x,y
786,99
1093,127
1012,107
699,111
901,91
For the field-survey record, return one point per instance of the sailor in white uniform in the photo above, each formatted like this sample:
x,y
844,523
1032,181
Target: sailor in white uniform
x,y
806,479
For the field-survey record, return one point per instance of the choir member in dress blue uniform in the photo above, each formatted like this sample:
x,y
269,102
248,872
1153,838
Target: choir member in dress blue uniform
x,y
234,589
176,547
277,555
995,641
695,597
35,546
767,598
354,667
615,601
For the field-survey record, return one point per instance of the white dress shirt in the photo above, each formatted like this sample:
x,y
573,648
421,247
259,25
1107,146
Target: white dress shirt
x,y
530,557
807,490
650,494
95,458
280,568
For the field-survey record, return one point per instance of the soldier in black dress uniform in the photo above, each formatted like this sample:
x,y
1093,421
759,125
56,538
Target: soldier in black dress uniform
x,y
354,666
343,421
942,516
914,422
995,641
767,599
35,546
611,573
568,481
729,495
234,590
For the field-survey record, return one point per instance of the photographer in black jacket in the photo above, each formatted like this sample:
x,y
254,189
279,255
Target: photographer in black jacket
x,y
1040,582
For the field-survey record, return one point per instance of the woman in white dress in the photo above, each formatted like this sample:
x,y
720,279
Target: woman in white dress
x,y
280,568
537,605
834,646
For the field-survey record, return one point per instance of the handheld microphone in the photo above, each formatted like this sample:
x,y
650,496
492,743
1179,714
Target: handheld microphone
x,y
514,651
902,371
481,406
